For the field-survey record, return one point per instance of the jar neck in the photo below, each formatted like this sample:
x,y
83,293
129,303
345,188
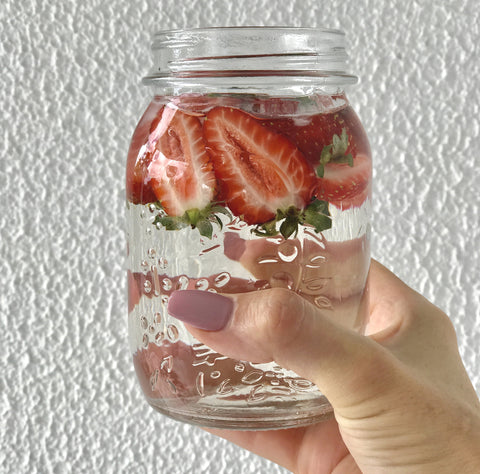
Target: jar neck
x,y
289,61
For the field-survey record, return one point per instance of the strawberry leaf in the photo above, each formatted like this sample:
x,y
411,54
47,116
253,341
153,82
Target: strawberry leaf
x,y
320,222
318,215
335,153
289,227
205,228
268,229
171,223
320,170
195,218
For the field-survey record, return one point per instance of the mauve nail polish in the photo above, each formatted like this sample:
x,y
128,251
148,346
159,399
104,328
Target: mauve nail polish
x,y
201,309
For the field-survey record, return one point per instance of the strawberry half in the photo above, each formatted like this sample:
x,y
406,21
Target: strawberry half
x,y
259,171
138,187
181,175
180,170
311,133
345,185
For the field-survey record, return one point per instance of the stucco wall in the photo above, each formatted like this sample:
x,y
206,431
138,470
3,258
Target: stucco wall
x,y
70,97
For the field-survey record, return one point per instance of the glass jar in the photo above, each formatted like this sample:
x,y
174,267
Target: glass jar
x,y
249,170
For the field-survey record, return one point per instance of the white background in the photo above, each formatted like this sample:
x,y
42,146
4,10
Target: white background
x,y
69,100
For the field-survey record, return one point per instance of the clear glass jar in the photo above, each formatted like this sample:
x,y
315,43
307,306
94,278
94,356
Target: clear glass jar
x,y
248,170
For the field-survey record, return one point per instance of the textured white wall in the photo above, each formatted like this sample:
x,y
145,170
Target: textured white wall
x,y
70,97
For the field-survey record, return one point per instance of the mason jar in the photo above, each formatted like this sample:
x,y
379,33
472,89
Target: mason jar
x,y
249,170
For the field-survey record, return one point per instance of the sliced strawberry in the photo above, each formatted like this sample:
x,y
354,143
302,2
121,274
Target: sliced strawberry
x,y
346,186
180,170
259,171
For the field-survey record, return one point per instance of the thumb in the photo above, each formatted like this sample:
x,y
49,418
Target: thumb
x,y
279,325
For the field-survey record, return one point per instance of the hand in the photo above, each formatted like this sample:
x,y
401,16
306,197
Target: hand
x,y
402,400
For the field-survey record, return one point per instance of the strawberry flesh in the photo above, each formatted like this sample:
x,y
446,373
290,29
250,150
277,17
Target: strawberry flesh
x,y
259,170
180,170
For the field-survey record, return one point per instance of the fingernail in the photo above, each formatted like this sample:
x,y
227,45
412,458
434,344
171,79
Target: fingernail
x,y
201,309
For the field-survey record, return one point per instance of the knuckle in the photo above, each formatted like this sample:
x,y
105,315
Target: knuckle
x,y
282,317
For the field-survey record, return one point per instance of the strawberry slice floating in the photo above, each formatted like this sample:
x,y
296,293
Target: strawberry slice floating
x,y
180,170
259,170
138,187
345,185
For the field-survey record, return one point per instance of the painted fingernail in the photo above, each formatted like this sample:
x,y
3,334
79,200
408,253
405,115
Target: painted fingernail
x,y
201,309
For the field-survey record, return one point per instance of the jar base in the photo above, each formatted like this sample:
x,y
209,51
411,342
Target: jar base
x,y
272,417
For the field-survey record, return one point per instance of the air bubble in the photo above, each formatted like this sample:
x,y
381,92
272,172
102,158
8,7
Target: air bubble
x,y
162,263
151,329
145,341
157,318
152,208
215,374
143,322
159,337
166,284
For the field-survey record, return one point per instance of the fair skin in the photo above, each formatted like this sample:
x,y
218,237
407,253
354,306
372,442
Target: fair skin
x,y
402,400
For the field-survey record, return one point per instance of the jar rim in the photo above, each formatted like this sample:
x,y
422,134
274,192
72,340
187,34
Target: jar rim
x,y
246,51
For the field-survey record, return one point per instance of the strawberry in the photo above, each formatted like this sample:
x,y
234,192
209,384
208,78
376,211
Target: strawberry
x,y
345,185
259,170
180,170
181,174
336,145
138,187
311,133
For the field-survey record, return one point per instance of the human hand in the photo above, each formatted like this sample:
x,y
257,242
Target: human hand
x,y
402,400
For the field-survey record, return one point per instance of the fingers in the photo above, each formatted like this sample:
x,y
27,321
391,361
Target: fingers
x,y
297,449
279,325
418,333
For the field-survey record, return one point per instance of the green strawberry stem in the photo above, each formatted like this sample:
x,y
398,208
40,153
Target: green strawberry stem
x,y
335,153
201,219
316,214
